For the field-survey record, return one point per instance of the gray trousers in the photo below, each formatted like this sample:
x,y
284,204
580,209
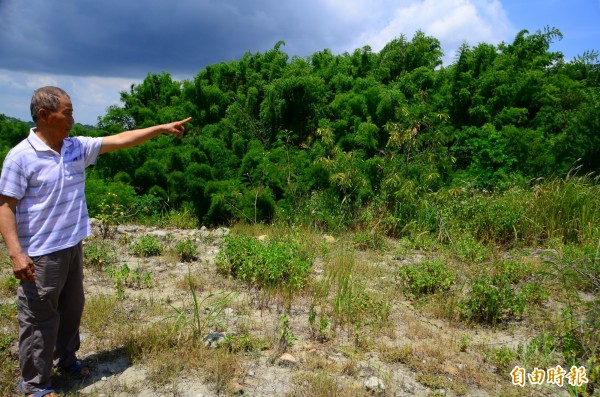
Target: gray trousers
x,y
49,310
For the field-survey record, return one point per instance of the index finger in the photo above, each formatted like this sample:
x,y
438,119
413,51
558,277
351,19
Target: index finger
x,y
184,121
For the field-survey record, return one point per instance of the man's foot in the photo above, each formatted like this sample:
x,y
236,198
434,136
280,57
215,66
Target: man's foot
x,y
39,393
76,370
43,393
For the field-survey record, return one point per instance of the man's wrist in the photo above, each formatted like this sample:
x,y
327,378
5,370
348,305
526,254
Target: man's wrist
x,y
15,254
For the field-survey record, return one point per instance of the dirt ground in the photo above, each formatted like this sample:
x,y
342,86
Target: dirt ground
x,y
458,368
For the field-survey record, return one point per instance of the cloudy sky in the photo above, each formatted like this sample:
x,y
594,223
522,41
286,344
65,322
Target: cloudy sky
x,y
95,49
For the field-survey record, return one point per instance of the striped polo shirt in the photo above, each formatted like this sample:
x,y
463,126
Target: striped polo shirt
x,y
51,211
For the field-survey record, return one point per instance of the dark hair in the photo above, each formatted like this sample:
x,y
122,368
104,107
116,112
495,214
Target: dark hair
x,y
46,98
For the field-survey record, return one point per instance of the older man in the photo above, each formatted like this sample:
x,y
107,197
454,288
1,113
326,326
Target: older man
x,y
43,220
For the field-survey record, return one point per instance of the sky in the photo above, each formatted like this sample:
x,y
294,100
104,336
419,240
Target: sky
x,y
96,49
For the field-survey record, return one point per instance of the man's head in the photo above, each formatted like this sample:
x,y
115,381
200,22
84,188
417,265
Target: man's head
x,y
48,99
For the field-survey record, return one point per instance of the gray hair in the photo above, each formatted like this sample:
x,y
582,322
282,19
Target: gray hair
x,y
46,98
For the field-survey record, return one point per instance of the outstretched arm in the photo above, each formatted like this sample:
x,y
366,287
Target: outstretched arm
x,y
136,137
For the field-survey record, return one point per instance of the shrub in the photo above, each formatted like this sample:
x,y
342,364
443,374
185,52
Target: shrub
x,y
280,263
427,277
147,246
491,298
187,250
366,240
99,254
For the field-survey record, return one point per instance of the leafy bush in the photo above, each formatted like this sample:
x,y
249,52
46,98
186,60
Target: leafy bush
x,y
427,277
99,254
268,264
147,246
187,250
491,299
467,248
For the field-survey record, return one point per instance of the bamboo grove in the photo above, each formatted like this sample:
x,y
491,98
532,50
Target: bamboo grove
x,y
362,138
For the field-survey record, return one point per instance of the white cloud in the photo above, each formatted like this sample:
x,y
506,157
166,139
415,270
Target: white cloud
x,y
452,22
90,95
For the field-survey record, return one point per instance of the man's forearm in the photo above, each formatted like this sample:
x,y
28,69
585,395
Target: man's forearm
x,y
8,229
131,138
137,137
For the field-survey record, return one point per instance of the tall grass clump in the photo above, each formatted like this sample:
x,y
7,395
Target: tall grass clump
x,y
575,326
342,300
566,209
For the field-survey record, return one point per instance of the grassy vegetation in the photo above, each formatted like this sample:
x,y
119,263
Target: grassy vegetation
x,y
495,281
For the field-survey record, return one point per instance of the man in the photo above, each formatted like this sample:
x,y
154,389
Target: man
x,y
43,220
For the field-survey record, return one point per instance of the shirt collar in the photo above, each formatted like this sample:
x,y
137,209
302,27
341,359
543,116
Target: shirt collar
x,y
39,145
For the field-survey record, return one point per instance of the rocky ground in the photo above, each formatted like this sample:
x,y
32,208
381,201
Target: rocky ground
x,y
272,372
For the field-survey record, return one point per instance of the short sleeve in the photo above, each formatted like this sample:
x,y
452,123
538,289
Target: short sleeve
x,y
91,149
13,181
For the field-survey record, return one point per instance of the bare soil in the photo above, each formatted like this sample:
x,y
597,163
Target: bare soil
x,y
416,354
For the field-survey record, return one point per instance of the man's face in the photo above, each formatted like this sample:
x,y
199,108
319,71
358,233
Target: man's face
x,y
61,121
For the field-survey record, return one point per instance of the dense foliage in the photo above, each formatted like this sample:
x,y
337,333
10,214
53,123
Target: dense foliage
x,y
326,136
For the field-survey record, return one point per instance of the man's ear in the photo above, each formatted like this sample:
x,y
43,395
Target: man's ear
x,y
42,114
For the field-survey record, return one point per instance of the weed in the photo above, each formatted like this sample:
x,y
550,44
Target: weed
x,y
285,335
541,351
244,343
99,254
321,331
369,241
187,250
181,219
147,246
110,215
398,354
9,285
503,358
567,209
427,277
465,343
97,309
204,313
282,264
322,384
354,305
534,293
501,293
8,310
468,249
491,299
123,277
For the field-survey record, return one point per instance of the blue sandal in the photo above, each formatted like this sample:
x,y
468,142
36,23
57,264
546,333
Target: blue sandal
x,y
39,393
42,393
77,370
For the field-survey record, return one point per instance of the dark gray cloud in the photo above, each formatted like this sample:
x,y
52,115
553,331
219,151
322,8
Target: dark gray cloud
x,y
124,38
97,48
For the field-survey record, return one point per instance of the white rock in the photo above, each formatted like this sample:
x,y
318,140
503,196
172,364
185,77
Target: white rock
x,y
374,384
